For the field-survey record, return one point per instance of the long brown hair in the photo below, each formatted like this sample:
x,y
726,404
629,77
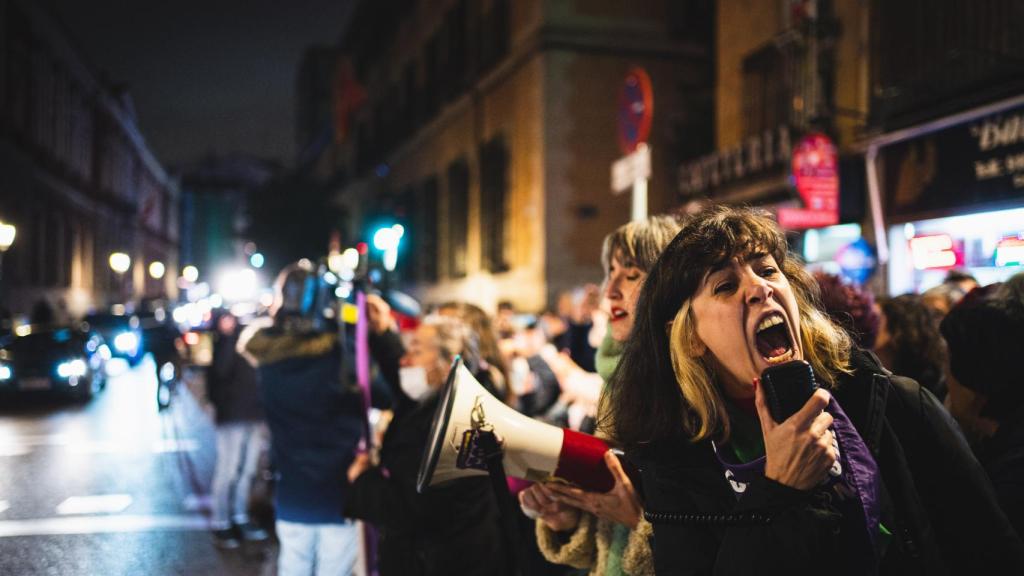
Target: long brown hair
x,y
661,387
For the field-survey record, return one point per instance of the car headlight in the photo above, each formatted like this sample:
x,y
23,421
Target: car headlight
x,y
5,372
126,342
76,367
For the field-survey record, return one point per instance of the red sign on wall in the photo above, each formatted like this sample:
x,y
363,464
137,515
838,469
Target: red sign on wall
x,y
816,174
636,110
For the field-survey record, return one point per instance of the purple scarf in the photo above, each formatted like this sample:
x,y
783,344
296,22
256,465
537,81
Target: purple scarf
x,y
855,474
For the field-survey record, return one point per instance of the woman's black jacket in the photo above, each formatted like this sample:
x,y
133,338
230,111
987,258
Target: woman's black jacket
x,y
936,500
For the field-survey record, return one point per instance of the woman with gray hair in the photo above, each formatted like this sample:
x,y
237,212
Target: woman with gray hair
x,y
452,529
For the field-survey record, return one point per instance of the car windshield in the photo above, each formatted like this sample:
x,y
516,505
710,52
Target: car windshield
x,y
49,344
108,321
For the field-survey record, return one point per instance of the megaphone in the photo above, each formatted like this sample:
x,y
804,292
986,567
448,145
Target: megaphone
x,y
531,449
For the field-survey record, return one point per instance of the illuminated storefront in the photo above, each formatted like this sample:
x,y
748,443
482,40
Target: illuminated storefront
x,y
950,194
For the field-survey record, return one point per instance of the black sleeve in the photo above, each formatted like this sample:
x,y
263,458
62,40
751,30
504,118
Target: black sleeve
x,y
387,350
970,528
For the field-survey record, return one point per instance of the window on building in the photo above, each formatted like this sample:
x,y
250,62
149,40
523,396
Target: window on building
x,y
427,253
458,217
493,204
769,94
19,69
494,34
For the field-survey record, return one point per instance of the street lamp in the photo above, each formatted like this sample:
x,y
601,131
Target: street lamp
x,y
156,270
190,273
7,233
120,263
387,241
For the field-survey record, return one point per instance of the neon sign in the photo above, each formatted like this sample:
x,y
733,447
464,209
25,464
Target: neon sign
x,y
935,251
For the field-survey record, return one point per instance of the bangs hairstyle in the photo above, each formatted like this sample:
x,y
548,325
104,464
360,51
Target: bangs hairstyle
x,y
638,243
661,388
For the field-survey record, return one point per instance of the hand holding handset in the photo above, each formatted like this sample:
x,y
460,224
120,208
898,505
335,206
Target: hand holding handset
x,y
787,387
791,408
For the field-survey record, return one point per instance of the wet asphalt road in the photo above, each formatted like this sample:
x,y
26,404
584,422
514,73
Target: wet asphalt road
x,y
113,486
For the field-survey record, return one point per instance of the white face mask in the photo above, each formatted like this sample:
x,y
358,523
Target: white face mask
x,y
413,380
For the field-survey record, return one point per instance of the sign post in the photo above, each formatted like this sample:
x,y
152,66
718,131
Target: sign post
x,y
636,110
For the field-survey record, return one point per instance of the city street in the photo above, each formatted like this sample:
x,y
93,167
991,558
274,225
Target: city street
x,y
111,487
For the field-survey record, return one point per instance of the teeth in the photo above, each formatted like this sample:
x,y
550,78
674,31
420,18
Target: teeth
x,y
785,357
770,321
618,313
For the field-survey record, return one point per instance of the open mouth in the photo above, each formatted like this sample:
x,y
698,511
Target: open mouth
x,y
773,340
618,314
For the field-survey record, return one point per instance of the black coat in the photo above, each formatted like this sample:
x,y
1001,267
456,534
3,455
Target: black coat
x,y
936,500
1003,459
232,385
451,529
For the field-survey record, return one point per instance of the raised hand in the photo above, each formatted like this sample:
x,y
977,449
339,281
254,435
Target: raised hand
x,y
799,450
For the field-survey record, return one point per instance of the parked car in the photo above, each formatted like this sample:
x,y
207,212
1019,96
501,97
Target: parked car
x,y
67,360
122,333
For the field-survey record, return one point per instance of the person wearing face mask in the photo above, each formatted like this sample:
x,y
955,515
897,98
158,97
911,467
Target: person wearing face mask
x,y
870,475
450,529
605,533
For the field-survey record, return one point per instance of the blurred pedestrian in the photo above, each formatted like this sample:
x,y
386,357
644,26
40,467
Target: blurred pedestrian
x,y
315,422
605,534
490,355
985,345
232,389
851,307
909,342
449,529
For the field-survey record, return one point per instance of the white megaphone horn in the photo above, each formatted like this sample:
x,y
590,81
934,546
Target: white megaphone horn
x,y
531,449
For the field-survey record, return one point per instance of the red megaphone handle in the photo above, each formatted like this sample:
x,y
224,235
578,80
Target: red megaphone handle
x,y
581,462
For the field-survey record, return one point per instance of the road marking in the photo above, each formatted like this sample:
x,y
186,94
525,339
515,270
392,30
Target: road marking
x,y
4,505
22,447
100,525
103,504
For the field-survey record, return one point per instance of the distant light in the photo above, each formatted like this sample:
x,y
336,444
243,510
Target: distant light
x,y
23,330
118,309
72,368
250,248
5,372
190,273
305,263
191,338
350,258
157,269
120,262
180,313
256,260
335,261
362,248
7,234
126,342
342,291
216,301
330,278
237,285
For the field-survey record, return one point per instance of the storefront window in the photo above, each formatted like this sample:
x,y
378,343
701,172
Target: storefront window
x,y
990,246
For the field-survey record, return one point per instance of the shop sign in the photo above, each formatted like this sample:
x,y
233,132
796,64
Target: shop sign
x,y
857,261
935,251
974,163
757,156
816,176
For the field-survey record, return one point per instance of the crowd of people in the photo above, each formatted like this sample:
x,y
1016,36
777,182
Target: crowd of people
x,y
908,457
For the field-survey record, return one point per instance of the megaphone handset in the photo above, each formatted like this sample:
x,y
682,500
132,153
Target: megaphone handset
x,y
531,450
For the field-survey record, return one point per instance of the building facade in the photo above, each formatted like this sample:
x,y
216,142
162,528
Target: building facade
x,y
79,181
487,128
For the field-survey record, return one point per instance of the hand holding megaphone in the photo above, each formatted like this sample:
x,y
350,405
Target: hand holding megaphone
x,y
529,449
620,504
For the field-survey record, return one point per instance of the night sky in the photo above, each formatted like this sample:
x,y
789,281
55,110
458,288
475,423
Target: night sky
x,y
216,76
